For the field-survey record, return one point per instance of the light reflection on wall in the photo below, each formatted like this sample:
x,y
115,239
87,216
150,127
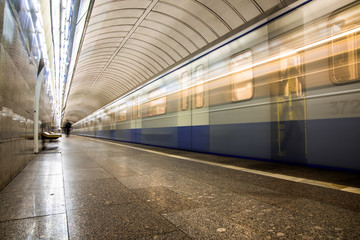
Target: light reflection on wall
x,y
9,25
26,16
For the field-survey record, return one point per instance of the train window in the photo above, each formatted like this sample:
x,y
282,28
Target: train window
x,y
112,117
185,92
242,78
345,51
291,76
106,119
199,86
136,111
122,113
157,102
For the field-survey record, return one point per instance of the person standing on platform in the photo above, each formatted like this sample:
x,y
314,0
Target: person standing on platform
x,y
67,128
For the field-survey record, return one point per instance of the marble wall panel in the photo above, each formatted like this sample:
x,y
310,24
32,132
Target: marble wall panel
x,y
18,73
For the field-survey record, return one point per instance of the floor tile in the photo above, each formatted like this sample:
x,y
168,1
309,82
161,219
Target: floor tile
x,y
85,174
39,168
49,157
23,182
48,227
323,220
79,157
176,235
95,193
126,221
80,164
31,203
139,182
187,187
116,169
164,200
204,223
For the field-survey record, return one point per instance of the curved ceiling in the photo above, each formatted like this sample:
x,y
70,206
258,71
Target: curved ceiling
x,y
128,42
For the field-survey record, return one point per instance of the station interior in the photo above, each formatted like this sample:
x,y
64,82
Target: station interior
x,y
192,119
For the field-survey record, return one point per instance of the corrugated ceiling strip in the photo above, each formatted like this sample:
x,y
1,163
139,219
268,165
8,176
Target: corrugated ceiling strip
x,y
82,26
137,24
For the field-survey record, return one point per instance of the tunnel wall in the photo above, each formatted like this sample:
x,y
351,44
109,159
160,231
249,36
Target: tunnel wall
x,y
18,73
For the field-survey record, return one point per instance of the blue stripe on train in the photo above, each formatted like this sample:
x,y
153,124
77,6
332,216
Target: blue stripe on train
x,y
330,142
184,138
122,135
200,138
194,138
246,140
334,142
166,136
135,135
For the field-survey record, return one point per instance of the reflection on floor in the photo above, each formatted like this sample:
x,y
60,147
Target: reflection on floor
x,y
90,189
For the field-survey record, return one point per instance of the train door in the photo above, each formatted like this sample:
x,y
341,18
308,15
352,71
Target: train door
x,y
136,119
112,120
98,125
289,129
200,109
193,114
184,110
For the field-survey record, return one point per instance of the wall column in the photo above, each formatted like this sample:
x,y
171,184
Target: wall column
x,y
39,83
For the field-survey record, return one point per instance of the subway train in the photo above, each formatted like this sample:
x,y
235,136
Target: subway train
x,y
286,90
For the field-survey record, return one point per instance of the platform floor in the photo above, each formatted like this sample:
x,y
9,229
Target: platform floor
x,y
83,188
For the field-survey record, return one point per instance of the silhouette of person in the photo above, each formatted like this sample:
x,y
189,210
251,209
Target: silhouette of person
x,y
67,128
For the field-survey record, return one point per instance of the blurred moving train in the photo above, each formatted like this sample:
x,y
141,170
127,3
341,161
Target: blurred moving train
x,y
287,90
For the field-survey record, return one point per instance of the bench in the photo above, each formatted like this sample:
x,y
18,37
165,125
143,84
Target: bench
x,y
50,135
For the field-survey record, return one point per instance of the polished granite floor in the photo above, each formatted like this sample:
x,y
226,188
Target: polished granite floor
x,y
81,188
